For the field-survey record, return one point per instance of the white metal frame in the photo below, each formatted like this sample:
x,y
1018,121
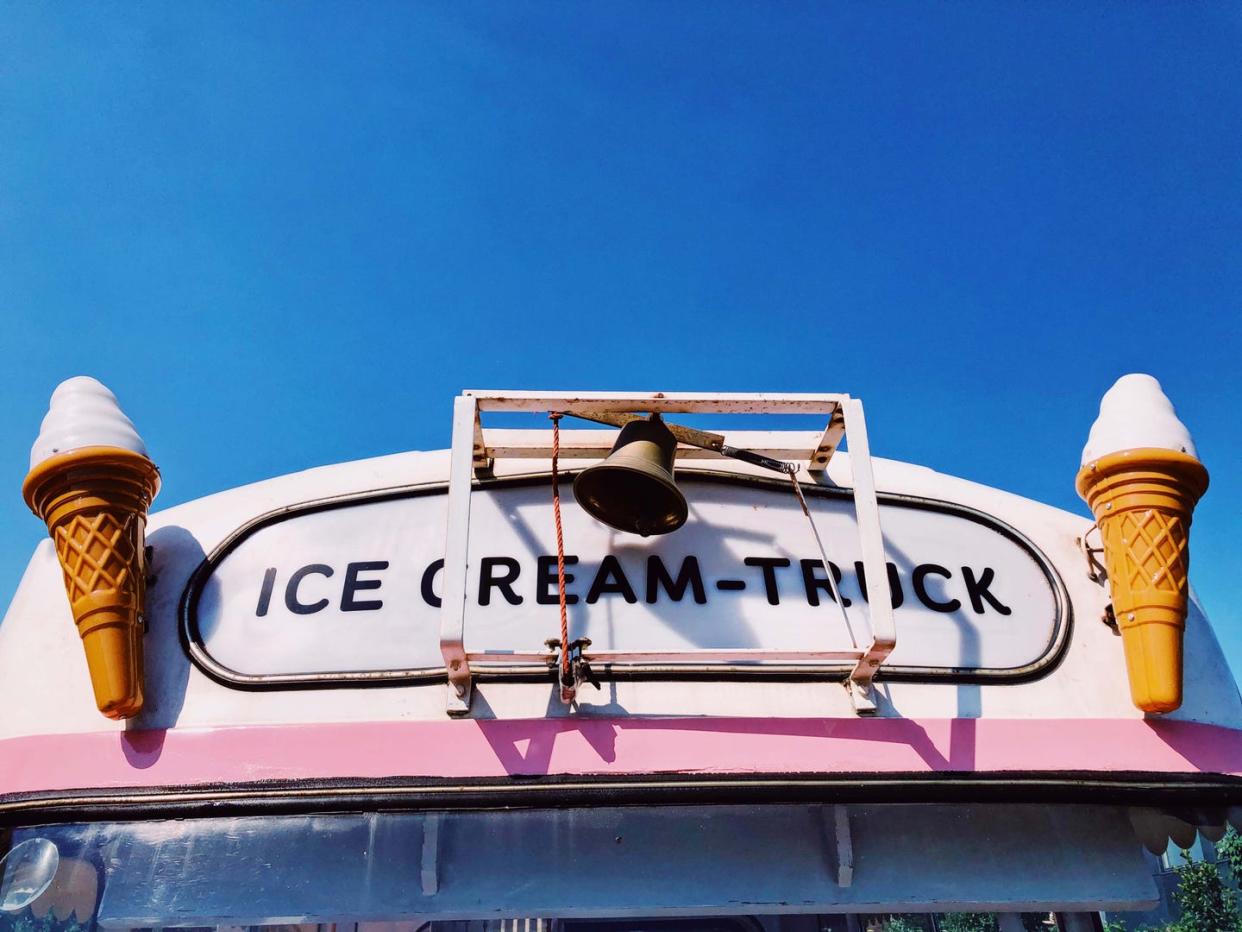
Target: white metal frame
x,y
472,455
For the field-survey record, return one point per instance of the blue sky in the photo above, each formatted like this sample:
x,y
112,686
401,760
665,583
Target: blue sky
x,y
288,234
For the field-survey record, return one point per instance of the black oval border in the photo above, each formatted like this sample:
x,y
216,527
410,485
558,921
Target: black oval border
x,y
196,650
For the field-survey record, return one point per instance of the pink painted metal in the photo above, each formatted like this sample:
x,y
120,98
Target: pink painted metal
x,y
613,746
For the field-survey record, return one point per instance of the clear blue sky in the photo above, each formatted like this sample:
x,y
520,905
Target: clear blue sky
x,y
287,234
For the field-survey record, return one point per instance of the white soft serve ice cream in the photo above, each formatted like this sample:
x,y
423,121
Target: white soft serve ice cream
x,y
83,413
1134,414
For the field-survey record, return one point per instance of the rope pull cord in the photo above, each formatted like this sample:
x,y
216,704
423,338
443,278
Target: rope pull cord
x,y
832,579
574,666
566,677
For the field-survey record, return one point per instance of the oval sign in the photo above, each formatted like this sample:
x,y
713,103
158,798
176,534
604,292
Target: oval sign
x,y
349,590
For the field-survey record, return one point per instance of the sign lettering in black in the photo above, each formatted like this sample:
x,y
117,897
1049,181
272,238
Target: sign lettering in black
x,y
933,585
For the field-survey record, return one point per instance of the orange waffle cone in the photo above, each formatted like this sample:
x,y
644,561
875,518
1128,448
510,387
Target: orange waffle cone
x,y
1143,501
95,503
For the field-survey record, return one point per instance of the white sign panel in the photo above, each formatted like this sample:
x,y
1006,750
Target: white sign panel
x,y
354,588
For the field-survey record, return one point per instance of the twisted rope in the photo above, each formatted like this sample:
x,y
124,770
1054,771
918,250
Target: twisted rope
x,y
560,546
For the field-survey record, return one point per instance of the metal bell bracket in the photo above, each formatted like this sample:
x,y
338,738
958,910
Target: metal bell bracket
x,y
474,454
579,668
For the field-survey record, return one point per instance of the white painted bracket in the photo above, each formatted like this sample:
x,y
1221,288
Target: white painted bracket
x,y
828,442
429,872
844,845
456,549
862,696
875,563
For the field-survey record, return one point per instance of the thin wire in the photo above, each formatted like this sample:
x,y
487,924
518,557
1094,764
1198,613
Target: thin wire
x,y
560,545
832,579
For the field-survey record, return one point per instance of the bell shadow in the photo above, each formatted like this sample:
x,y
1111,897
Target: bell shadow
x,y
968,633
727,626
715,546
723,547
175,554
963,730
718,549
959,757
524,746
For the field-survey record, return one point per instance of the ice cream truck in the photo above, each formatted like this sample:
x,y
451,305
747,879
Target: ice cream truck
x,y
596,667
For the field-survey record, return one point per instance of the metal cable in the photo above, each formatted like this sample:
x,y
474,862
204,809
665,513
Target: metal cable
x,y
832,579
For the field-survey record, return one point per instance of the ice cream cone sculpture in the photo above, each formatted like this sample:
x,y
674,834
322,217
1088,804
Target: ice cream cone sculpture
x,y
1142,478
91,482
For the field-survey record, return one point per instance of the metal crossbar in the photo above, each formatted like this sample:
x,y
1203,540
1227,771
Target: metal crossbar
x,y
474,452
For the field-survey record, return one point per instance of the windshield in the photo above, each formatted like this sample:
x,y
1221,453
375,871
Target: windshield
x,y
775,868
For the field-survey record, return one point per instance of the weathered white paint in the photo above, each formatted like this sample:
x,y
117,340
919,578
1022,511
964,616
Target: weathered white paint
x,y
44,688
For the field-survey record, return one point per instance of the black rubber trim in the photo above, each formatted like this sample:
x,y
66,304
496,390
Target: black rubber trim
x,y
192,642
1192,792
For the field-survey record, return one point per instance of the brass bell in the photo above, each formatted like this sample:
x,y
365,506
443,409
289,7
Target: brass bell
x,y
633,489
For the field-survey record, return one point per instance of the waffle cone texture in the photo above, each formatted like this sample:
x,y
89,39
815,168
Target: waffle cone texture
x,y
95,502
1143,501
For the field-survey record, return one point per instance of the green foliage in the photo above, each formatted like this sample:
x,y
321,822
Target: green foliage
x,y
1206,902
902,924
1229,849
27,921
1207,905
968,922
